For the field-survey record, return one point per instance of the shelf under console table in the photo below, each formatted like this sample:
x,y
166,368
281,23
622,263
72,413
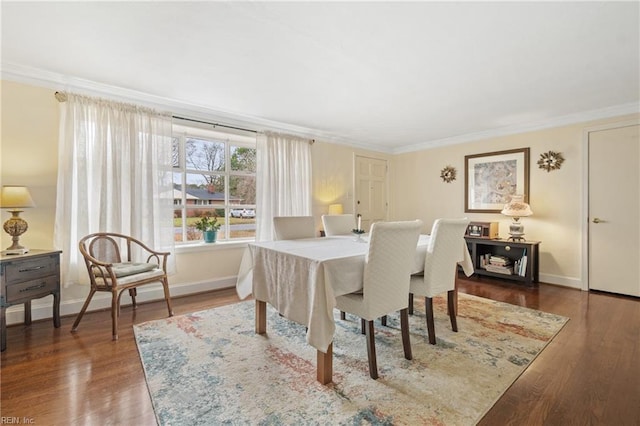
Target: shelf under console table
x,y
523,257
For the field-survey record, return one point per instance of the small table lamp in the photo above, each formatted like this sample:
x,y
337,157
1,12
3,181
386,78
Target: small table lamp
x,y
335,209
15,198
516,208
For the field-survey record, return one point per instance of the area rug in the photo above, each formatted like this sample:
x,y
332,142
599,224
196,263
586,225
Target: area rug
x,y
210,368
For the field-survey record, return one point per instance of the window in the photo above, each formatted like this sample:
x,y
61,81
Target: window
x,y
214,174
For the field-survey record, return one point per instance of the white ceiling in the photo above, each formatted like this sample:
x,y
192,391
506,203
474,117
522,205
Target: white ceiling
x,y
387,75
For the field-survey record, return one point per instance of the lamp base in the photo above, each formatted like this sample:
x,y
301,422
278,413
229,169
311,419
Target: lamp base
x,y
16,226
16,252
516,230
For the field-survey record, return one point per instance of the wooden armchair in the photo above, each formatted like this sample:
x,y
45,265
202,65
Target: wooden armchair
x,y
103,253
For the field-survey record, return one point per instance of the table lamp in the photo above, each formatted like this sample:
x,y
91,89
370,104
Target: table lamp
x,y
516,208
14,199
335,209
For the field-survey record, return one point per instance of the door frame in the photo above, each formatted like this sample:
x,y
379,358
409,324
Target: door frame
x,y
585,190
355,183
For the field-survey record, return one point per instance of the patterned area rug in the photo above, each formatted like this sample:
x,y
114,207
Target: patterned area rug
x,y
210,368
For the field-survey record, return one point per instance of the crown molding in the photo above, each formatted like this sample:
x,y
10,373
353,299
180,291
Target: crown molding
x,y
60,82
585,116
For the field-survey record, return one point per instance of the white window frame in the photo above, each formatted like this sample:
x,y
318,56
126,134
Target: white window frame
x,y
183,130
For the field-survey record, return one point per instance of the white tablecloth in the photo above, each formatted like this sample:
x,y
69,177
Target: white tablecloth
x,y
301,278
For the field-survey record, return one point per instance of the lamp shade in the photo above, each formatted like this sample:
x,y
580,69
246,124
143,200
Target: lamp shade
x,y
16,197
517,207
335,209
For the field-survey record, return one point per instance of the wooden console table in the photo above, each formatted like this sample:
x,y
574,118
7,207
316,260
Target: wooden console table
x,y
27,277
513,250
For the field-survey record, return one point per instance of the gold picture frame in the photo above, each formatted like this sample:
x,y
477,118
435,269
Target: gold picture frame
x,y
492,178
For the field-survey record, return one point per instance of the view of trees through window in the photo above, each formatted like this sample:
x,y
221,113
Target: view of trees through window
x,y
215,176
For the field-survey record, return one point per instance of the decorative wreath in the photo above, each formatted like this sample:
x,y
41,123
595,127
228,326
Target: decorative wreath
x,y
550,160
448,174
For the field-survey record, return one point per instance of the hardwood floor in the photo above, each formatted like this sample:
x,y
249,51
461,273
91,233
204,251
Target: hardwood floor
x,y
588,375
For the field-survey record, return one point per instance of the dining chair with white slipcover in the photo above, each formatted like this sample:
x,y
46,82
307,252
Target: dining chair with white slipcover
x,y
387,272
338,224
444,251
294,227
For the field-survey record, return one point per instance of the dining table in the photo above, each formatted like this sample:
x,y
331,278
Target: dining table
x,y
302,278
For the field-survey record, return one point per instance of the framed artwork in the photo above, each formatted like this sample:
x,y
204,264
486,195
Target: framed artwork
x,y
492,178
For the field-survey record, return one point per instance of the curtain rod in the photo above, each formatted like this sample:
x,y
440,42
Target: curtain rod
x,y
214,124
62,97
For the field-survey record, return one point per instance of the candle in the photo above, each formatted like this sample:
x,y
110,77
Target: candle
x,y
359,222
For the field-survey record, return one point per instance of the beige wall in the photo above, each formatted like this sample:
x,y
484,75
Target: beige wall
x,y
555,197
29,157
29,130
333,181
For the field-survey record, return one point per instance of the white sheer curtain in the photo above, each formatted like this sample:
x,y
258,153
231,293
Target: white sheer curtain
x,y
114,175
284,180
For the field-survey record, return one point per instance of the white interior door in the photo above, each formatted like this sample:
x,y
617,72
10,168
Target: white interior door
x,y
614,210
371,190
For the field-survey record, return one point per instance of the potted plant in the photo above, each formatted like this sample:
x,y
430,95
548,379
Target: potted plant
x,y
209,227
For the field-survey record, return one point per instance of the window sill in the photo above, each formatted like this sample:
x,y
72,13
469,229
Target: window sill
x,y
202,246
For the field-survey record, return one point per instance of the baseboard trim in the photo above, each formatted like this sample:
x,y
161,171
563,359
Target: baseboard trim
x,y
42,308
571,282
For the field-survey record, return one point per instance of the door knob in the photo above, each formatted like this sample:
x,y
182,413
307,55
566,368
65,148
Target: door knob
x,y
597,220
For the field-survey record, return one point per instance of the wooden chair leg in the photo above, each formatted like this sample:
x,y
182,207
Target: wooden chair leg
x,y
133,292
118,302
343,315
455,298
167,296
451,300
383,320
431,329
362,326
410,304
114,314
404,327
371,350
74,327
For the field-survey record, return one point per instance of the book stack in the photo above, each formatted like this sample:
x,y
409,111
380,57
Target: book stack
x,y
499,265
520,265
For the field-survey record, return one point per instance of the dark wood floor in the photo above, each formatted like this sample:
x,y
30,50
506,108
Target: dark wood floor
x,y
588,375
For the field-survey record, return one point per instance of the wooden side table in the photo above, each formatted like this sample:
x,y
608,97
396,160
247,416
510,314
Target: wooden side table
x,y
27,277
514,250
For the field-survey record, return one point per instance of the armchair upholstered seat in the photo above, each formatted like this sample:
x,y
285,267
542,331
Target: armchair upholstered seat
x,y
103,255
338,224
385,290
440,270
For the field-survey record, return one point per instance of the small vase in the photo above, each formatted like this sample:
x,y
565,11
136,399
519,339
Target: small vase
x,y
210,236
